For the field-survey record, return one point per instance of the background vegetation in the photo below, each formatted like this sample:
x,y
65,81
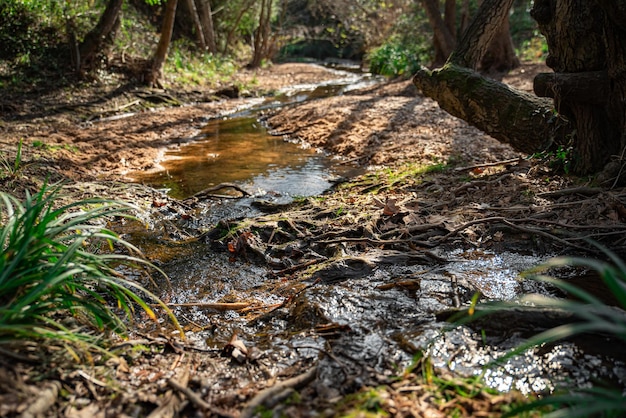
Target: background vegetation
x,y
38,38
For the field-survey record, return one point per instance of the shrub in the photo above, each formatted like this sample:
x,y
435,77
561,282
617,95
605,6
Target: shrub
x,y
58,267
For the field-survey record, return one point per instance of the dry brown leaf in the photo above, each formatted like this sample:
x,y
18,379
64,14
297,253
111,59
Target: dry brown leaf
x,y
390,207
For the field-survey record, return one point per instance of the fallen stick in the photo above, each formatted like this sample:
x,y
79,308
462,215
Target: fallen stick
x,y
267,394
471,167
197,400
233,306
207,192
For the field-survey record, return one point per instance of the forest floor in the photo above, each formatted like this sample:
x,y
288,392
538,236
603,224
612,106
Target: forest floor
x,y
482,195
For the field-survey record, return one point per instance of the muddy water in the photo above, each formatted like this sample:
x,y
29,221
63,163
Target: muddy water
x,y
240,150
371,327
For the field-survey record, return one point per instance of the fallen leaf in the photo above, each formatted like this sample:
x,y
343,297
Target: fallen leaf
x,y
390,207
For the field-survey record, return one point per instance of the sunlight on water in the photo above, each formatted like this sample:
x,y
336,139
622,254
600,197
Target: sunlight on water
x,y
241,151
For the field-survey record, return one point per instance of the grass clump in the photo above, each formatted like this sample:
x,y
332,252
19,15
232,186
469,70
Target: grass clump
x,y
58,278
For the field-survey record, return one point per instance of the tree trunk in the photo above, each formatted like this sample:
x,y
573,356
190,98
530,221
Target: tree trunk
x,y
500,56
93,42
206,17
262,34
582,41
481,31
444,40
588,55
154,73
195,18
520,119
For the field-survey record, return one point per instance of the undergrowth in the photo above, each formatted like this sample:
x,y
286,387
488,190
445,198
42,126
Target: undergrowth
x,y
58,271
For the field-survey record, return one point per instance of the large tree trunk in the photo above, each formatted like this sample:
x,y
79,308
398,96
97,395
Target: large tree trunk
x,y
92,45
588,55
586,44
524,121
154,72
517,118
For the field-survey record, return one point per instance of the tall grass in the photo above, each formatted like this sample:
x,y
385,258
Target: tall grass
x,y
58,277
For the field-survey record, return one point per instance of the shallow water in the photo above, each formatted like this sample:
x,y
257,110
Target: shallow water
x,y
238,149
241,151
379,330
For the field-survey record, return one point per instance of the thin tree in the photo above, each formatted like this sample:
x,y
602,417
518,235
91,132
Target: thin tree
x,y
262,34
197,25
154,72
208,29
93,43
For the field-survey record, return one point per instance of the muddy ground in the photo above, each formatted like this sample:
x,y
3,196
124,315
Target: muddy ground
x,y
483,195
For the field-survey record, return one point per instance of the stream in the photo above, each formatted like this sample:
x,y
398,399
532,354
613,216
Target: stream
x,y
372,329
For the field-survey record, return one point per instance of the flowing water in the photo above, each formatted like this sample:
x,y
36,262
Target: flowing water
x,y
238,149
379,330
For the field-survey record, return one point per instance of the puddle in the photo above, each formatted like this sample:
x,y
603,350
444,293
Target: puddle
x,y
241,151
238,149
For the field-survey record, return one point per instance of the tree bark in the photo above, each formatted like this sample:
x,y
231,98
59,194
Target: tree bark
x,y
481,31
154,72
579,35
500,55
206,18
93,42
522,120
591,87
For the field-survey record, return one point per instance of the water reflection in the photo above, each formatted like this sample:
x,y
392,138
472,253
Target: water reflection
x,y
241,151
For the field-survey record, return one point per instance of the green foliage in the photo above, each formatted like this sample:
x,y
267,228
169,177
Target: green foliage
x,y
11,168
191,68
559,160
396,59
58,268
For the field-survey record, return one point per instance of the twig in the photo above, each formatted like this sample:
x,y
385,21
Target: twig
x,y
19,357
197,400
512,225
266,394
504,162
584,190
234,306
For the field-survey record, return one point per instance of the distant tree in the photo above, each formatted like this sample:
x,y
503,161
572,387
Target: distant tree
x,y
262,35
154,70
208,29
93,43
